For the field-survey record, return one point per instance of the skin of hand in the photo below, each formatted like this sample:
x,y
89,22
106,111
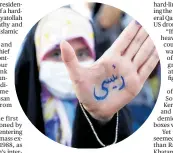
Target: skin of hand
x,y
134,56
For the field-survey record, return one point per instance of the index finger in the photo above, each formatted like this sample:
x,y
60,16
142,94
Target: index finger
x,y
126,37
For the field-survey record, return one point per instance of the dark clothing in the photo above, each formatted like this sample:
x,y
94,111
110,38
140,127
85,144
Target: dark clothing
x,y
28,91
27,82
83,136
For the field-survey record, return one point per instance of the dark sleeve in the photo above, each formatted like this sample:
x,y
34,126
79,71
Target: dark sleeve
x,y
83,136
27,82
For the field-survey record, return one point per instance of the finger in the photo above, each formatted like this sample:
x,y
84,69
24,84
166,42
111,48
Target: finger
x,y
144,53
126,37
136,43
148,66
70,60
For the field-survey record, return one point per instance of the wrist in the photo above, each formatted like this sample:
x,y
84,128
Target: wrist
x,y
97,113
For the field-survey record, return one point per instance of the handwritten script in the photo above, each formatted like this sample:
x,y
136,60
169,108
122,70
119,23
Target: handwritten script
x,y
106,82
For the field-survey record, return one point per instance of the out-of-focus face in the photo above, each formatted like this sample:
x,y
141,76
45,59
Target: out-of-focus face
x,y
81,49
63,24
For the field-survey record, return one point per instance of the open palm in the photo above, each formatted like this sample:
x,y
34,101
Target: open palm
x,y
117,77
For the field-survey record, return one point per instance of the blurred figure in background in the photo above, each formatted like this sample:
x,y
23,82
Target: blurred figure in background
x,y
58,99
106,21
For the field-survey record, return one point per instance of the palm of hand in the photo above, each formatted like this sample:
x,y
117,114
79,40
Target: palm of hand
x,y
109,83
117,77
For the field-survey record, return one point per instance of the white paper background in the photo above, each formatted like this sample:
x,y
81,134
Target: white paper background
x,y
36,142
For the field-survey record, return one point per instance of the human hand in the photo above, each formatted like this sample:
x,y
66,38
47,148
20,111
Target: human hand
x,y
117,76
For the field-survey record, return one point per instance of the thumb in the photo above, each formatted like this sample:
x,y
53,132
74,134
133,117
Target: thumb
x,y
70,60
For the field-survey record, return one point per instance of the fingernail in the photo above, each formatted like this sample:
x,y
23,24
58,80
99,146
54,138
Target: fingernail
x,y
137,23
